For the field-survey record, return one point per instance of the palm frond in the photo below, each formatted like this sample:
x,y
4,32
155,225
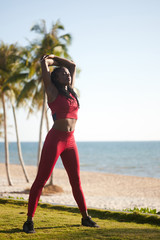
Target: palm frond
x,y
17,77
39,28
5,88
27,91
57,25
67,37
32,70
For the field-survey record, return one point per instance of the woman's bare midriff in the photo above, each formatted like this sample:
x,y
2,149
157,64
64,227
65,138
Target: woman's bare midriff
x,y
66,125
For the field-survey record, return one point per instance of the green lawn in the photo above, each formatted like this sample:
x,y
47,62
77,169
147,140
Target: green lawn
x,y
58,222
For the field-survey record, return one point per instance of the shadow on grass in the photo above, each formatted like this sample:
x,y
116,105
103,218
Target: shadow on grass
x,y
118,216
90,233
113,233
13,230
59,227
18,230
13,201
96,213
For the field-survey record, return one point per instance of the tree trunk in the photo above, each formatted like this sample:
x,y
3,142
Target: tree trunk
x,y
6,142
19,146
47,126
46,117
40,129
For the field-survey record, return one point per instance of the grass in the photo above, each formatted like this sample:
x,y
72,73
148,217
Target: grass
x,y
142,210
59,222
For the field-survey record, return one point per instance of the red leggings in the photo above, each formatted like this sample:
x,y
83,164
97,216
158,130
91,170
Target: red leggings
x,y
58,143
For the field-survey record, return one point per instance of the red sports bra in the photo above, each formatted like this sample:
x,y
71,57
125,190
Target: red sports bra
x,y
63,108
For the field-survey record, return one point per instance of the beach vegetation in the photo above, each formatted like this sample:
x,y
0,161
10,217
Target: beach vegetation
x,y
60,222
11,70
142,210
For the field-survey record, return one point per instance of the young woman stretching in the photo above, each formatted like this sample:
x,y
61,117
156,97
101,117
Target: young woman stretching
x,y
63,102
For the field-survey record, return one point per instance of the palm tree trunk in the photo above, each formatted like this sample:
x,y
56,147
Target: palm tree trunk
x,y
46,117
40,129
47,126
6,142
18,145
51,179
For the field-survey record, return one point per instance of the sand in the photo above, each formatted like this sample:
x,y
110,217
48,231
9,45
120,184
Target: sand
x,y
104,191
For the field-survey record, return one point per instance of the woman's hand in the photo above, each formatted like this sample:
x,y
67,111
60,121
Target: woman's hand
x,y
43,58
51,56
48,59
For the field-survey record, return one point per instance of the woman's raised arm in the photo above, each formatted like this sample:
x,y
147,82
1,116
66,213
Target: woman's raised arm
x,y
50,89
63,62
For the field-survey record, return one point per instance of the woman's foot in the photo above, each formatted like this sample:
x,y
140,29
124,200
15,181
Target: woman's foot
x,y
28,227
88,222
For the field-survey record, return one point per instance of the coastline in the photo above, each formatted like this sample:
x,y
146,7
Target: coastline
x,y
102,190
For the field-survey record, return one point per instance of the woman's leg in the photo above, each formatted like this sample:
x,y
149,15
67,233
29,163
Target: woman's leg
x,y
70,159
50,153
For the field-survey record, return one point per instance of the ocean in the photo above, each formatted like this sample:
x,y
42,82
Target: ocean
x,y
127,158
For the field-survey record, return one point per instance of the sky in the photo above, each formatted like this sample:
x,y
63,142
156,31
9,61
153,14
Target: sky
x,y
116,44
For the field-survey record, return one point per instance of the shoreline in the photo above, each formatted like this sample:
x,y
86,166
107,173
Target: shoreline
x,y
91,171
101,190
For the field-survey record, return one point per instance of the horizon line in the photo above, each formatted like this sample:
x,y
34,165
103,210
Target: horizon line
x,y
92,141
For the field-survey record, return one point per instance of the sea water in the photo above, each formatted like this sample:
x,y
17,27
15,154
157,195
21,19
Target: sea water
x,y
127,158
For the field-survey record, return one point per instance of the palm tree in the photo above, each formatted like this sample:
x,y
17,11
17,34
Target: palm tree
x,y
50,42
10,69
7,53
17,136
1,125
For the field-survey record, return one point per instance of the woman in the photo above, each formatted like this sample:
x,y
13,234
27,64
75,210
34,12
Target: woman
x,y
63,102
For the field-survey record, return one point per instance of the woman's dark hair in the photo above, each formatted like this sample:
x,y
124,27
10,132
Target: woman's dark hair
x,y
58,85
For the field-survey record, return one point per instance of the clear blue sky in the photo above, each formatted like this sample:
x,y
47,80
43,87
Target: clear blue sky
x,y
117,46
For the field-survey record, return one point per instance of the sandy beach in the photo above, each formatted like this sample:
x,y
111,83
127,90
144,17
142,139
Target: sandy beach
x,y
105,191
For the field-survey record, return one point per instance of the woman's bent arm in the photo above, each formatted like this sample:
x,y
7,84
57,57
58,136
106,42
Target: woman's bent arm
x,y
50,89
70,65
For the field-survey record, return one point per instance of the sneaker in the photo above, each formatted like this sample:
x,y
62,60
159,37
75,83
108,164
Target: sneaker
x,y
88,222
28,227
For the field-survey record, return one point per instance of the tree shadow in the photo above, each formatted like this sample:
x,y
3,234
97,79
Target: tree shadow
x,y
48,190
